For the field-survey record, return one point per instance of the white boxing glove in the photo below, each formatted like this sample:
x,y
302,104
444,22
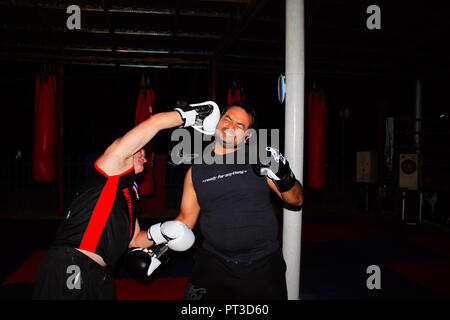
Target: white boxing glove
x,y
175,234
203,116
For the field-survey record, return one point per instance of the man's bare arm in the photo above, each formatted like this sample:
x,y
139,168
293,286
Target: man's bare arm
x,y
118,157
293,197
189,208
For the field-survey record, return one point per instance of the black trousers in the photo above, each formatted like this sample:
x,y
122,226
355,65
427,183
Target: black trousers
x,y
215,278
67,274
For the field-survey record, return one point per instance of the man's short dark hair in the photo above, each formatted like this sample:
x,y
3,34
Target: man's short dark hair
x,y
247,109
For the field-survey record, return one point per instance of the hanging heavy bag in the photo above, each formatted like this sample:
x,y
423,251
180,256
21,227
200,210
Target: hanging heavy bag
x,y
235,95
317,141
44,138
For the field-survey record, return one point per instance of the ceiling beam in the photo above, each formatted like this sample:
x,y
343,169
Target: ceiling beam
x,y
253,8
64,58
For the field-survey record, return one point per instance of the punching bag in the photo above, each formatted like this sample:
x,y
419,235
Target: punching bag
x,y
144,110
235,95
44,138
236,92
317,141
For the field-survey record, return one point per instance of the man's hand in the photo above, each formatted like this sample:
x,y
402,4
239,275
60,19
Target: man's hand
x,y
276,167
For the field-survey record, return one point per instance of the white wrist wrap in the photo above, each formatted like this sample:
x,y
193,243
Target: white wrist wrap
x,y
155,263
188,116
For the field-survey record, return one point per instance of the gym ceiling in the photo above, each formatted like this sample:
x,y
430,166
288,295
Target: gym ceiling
x,y
233,35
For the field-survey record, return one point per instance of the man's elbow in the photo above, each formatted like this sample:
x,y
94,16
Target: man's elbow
x,y
190,223
297,202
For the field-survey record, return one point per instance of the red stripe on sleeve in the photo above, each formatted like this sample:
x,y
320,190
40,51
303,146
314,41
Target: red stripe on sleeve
x,y
100,215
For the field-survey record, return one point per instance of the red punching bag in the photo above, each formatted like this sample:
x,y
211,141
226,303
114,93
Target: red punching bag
x,y
317,141
44,139
144,110
235,94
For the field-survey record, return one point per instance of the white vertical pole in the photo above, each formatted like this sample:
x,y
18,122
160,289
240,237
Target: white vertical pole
x,y
294,136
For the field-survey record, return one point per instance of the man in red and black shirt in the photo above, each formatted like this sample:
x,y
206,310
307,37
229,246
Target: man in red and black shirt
x,y
101,222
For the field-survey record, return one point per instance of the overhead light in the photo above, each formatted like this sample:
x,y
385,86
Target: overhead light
x,y
101,64
142,10
145,33
144,66
203,52
142,51
88,49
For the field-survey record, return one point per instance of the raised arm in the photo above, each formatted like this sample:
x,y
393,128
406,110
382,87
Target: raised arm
x,y
280,177
118,157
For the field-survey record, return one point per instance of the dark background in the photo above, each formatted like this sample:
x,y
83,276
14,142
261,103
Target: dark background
x,y
355,67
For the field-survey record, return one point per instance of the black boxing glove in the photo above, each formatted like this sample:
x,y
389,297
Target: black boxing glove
x,y
276,167
142,262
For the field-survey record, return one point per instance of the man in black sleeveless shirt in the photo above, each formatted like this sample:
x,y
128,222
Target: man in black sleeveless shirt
x,y
102,223
240,257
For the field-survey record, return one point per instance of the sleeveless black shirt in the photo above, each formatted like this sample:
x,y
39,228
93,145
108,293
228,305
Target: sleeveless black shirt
x,y
102,217
237,219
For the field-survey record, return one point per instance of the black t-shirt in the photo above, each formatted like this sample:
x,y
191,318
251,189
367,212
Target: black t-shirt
x,y
101,219
237,219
